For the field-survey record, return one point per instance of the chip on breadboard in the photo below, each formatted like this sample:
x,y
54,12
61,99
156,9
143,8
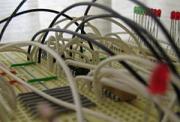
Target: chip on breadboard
x,y
118,95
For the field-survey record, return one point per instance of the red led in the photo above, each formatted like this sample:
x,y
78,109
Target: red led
x,y
159,79
159,13
176,15
156,12
173,14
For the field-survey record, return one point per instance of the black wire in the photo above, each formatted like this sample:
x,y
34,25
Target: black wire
x,y
92,4
80,4
85,14
101,46
38,10
114,13
86,3
41,10
127,22
82,29
140,29
10,18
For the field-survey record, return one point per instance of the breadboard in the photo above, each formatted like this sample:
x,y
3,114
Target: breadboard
x,y
124,111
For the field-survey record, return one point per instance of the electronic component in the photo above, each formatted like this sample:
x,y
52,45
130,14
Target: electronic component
x,y
117,95
31,100
127,82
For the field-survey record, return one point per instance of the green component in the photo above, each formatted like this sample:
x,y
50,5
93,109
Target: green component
x,y
42,79
103,58
23,64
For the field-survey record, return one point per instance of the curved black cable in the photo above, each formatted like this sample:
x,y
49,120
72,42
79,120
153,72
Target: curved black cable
x,y
37,10
85,14
142,30
101,46
114,13
81,4
127,22
82,29
10,18
42,10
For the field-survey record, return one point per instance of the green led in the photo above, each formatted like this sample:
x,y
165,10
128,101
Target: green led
x,y
139,10
135,9
42,79
23,64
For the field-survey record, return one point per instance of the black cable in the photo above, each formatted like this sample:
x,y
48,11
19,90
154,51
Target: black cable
x,y
101,46
41,10
81,4
10,18
84,37
127,22
38,10
82,29
85,14
166,57
114,13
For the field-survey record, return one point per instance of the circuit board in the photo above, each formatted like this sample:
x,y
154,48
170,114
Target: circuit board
x,y
133,111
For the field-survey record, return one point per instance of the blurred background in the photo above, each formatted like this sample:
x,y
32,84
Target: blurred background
x,y
23,27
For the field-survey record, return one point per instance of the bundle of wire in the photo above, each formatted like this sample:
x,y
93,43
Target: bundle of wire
x,y
114,68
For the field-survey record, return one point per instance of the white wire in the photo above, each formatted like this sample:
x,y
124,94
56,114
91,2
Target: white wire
x,y
73,86
124,57
140,88
109,82
132,58
66,70
90,66
171,104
